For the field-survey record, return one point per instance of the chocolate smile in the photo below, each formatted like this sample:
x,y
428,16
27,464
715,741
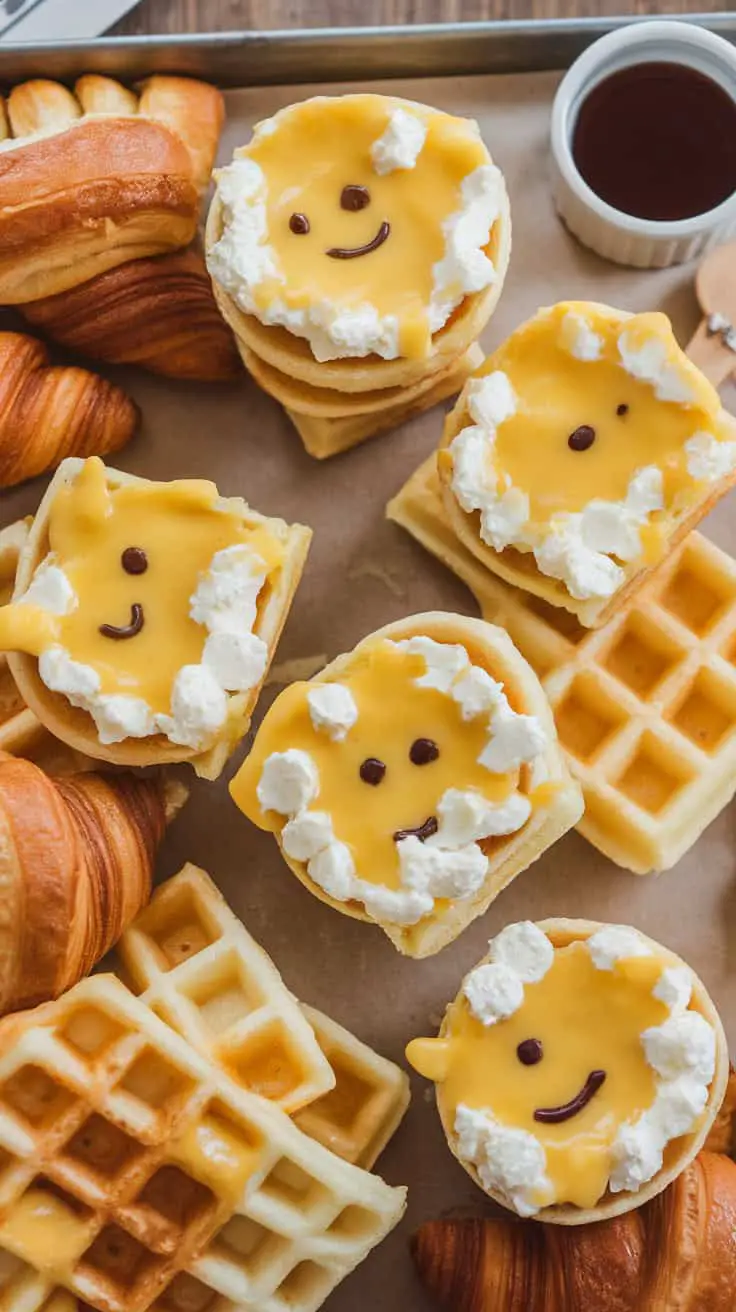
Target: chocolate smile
x,y
125,630
553,1115
352,252
421,832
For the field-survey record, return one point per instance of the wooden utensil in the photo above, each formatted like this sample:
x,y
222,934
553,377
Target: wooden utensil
x,y
715,285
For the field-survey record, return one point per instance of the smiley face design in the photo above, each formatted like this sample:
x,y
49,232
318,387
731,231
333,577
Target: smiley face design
x,y
143,609
388,784
569,1064
584,440
359,223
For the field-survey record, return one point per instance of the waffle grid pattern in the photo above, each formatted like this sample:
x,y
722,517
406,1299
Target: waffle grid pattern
x,y
200,971
135,1175
645,706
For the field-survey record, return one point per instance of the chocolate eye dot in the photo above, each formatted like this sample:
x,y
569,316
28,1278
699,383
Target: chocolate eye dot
x,y
354,197
372,771
134,560
622,409
423,751
582,438
299,224
530,1051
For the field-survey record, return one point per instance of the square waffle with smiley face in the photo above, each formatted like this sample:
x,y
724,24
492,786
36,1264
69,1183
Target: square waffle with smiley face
x,y
413,779
578,1071
358,245
645,706
583,451
145,615
137,1176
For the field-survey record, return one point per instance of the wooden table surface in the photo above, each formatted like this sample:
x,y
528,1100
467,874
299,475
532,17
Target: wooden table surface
x,y
239,15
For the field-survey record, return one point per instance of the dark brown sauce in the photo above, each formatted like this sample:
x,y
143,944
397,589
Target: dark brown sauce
x,y
658,141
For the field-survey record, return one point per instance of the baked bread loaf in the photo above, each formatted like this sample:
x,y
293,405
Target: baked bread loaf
x,y
92,179
48,412
158,313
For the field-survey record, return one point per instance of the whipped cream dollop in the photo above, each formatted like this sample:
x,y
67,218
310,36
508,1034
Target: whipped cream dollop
x,y
233,657
243,257
448,864
512,1162
586,550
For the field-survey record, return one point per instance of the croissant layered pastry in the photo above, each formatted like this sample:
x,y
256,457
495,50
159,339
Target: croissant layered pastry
x,y
76,865
157,313
49,412
93,178
677,1253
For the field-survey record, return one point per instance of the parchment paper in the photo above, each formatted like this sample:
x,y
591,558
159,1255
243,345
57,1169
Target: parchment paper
x,y
363,572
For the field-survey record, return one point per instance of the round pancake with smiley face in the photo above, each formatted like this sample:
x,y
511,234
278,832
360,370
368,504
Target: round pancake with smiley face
x,y
143,617
413,778
578,1071
582,451
358,225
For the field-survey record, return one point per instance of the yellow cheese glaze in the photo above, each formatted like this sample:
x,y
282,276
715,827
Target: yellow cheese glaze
x,y
557,393
180,528
323,145
45,1231
392,713
587,1019
219,1154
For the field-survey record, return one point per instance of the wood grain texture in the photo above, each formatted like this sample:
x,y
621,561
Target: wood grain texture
x,y
241,15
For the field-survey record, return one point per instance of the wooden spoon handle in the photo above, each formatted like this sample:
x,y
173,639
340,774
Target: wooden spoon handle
x,y
709,352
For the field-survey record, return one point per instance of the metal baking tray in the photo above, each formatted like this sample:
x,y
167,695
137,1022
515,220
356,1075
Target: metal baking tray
x,y
242,59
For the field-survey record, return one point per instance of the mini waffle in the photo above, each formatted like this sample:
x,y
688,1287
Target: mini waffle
x,y
137,1176
200,971
75,727
645,706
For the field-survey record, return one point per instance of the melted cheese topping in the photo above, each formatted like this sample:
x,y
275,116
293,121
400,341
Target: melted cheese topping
x,y
180,528
323,145
586,1019
392,713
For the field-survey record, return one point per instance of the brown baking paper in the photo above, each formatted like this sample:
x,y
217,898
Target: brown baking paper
x,y
364,572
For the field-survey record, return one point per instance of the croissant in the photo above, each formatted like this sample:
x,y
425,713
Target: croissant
x,y
76,863
50,412
677,1253
92,179
159,313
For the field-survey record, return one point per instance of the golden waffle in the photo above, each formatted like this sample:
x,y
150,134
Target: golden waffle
x,y
75,727
645,706
21,733
136,1175
201,972
519,568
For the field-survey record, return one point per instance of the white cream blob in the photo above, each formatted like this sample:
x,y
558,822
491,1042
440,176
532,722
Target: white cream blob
x,y
243,258
449,863
681,1051
233,658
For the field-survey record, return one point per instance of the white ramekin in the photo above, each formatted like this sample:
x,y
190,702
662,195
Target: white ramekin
x,y
645,243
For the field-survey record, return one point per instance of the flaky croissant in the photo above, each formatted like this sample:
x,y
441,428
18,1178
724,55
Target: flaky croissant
x,y
50,412
91,179
159,313
677,1253
76,863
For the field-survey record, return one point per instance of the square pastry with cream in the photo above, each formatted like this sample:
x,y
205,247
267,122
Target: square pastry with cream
x,y
581,453
145,615
413,778
578,1070
358,245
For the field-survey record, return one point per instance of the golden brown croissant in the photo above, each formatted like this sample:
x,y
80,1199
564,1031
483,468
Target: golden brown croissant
x,y
159,313
92,179
50,412
677,1253
76,862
